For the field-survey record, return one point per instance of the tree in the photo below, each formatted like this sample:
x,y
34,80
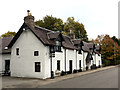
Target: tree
x,y
99,39
116,40
76,27
110,49
57,24
8,34
50,22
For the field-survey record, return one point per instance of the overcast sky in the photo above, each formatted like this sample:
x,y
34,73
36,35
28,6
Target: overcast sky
x,y
98,16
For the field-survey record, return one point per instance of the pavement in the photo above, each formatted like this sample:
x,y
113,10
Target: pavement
x,y
12,82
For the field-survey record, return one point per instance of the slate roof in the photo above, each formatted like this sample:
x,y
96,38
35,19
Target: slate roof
x,y
85,47
97,49
76,41
45,36
3,43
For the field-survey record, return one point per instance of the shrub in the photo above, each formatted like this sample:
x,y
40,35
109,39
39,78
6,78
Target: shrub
x,y
106,62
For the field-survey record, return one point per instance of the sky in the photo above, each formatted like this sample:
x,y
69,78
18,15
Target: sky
x,y
98,16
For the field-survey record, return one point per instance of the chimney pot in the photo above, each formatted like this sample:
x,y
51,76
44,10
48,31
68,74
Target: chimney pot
x,y
29,19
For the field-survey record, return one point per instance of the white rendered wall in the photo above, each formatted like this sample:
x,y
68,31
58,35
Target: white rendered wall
x,y
0,62
70,55
99,61
23,65
84,60
79,57
58,56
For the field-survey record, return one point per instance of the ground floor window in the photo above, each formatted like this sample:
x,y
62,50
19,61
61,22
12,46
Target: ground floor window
x,y
37,67
58,64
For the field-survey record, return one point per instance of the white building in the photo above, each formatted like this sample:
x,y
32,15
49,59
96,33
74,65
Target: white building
x,y
5,55
37,52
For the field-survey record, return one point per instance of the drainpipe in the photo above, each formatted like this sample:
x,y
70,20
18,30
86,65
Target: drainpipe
x,y
76,59
65,60
52,73
83,60
95,58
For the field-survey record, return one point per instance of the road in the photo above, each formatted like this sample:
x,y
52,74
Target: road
x,y
107,78
103,79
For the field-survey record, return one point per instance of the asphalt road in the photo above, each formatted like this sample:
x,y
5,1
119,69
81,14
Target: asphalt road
x,y
102,79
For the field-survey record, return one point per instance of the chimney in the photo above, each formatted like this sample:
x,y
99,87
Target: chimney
x,y
29,19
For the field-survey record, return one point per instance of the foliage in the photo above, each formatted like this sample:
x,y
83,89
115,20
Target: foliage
x,y
76,27
116,40
57,24
8,34
106,62
109,48
50,22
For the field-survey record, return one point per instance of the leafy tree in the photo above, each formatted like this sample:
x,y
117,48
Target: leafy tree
x,y
76,27
50,22
99,39
8,34
110,49
116,40
56,24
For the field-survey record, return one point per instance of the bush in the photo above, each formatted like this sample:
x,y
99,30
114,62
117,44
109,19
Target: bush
x,y
106,62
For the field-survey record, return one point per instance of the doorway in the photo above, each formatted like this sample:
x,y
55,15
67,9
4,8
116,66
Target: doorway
x,y
70,66
7,67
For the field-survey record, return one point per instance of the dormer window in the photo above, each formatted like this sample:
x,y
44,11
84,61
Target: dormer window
x,y
58,43
58,46
52,49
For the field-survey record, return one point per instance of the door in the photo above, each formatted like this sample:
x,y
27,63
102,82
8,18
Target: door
x,y
7,66
79,64
70,66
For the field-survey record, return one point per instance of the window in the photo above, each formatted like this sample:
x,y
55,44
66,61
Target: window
x,y
17,51
37,66
80,64
36,53
58,46
58,64
58,43
52,50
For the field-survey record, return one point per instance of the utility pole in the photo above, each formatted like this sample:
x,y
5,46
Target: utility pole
x,y
114,54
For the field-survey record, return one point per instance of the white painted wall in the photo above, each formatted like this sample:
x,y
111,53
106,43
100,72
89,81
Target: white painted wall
x,y
98,60
0,62
58,56
84,60
70,55
23,65
79,57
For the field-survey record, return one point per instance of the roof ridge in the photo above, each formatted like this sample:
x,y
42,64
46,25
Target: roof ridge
x,y
42,28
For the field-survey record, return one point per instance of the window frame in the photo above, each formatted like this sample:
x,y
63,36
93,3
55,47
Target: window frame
x,y
38,67
58,65
17,51
36,53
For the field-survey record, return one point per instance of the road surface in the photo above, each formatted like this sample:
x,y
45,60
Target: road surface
x,y
103,79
